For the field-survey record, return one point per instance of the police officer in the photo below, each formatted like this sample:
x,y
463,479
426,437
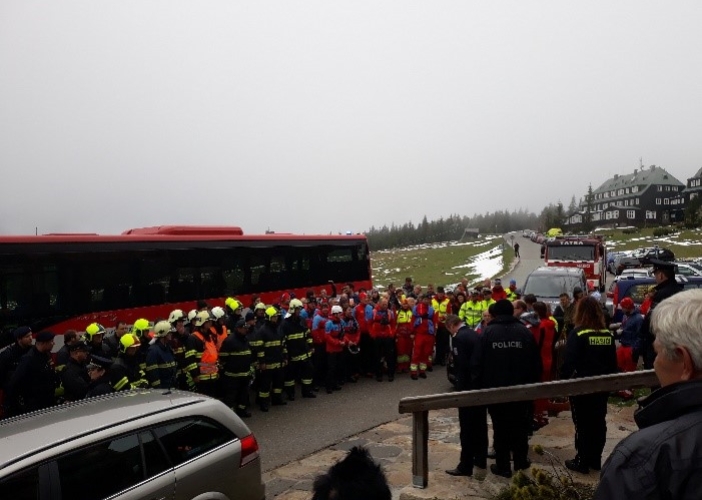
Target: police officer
x,y
508,356
237,360
473,420
160,361
34,382
100,378
590,351
666,286
11,356
74,377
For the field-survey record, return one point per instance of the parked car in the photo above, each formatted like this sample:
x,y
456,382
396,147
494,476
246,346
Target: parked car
x,y
636,288
624,261
548,282
647,254
128,445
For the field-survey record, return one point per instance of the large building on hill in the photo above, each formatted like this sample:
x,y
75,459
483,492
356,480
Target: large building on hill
x,y
692,190
641,198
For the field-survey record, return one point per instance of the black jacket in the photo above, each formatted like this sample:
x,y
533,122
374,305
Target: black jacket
x,y
664,458
33,384
466,349
508,354
236,356
297,338
100,386
663,290
589,353
75,380
9,361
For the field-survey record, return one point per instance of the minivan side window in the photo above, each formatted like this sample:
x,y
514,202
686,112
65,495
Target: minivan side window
x,y
637,293
102,469
186,439
23,485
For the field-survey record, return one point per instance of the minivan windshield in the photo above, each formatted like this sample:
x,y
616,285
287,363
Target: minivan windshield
x,y
551,286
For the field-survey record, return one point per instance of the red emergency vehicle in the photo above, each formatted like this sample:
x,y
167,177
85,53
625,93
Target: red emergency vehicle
x,y
585,252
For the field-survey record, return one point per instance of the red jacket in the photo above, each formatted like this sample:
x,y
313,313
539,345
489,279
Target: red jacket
x,y
498,293
332,340
359,312
383,323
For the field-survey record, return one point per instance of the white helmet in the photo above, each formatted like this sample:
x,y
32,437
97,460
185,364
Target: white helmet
x,y
336,310
202,317
260,306
191,315
295,304
218,312
162,328
176,315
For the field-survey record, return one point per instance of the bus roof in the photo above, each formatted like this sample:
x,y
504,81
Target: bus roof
x,y
175,234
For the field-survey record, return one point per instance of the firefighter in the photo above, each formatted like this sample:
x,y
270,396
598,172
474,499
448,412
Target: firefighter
x,y
405,336
424,334
34,382
190,322
126,372
184,357
590,351
260,315
141,329
204,343
271,359
237,360
219,327
383,333
160,360
334,345
442,307
298,343
74,377
234,309
94,334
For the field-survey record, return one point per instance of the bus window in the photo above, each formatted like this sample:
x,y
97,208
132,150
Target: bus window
x,y
153,278
182,287
257,267
233,274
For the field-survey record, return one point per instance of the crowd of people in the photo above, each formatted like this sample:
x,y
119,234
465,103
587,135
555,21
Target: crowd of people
x,y
234,352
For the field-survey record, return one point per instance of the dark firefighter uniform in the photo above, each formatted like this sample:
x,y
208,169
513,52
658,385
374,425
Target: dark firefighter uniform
x,y
270,359
161,366
298,342
126,373
506,342
237,361
186,361
589,353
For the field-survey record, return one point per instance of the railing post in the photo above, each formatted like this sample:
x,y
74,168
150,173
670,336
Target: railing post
x,y
420,449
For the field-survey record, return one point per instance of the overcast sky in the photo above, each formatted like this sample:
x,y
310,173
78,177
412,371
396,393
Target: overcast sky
x,y
318,116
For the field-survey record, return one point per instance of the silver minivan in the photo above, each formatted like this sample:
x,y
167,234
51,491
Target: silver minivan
x,y
146,444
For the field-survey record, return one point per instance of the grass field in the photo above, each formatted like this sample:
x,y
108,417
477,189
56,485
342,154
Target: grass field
x,y
442,263
685,244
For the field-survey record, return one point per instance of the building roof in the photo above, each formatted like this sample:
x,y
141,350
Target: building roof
x,y
697,175
645,176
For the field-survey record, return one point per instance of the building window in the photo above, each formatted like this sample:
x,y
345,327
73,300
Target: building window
x,y
666,201
660,188
693,196
631,214
626,203
604,207
667,188
615,215
650,214
626,190
637,201
635,189
658,201
613,193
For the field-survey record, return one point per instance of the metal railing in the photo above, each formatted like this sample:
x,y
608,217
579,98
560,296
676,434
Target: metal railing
x,y
420,406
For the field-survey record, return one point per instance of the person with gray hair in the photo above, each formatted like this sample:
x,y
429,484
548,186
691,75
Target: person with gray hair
x,y
663,459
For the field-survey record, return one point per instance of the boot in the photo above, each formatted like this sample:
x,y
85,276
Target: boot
x,y
264,407
309,394
577,465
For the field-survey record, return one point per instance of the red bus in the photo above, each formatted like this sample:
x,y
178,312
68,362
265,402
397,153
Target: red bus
x,y
585,252
67,281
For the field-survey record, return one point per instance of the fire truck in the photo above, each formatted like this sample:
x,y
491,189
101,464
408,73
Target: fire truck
x,y
586,252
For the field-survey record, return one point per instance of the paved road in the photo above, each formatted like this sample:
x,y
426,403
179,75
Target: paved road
x,y
305,426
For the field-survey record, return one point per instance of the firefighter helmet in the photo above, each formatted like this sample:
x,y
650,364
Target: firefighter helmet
x,y
232,303
162,328
295,304
141,328
260,306
176,315
202,318
128,340
191,315
218,313
94,329
271,312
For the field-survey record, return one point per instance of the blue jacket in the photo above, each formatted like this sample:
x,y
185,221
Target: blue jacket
x,y
631,324
160,366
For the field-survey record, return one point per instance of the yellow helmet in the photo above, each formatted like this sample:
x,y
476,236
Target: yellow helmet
x,y
271,312
141,328
232,303
202,317
94,329
128,340
162,328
